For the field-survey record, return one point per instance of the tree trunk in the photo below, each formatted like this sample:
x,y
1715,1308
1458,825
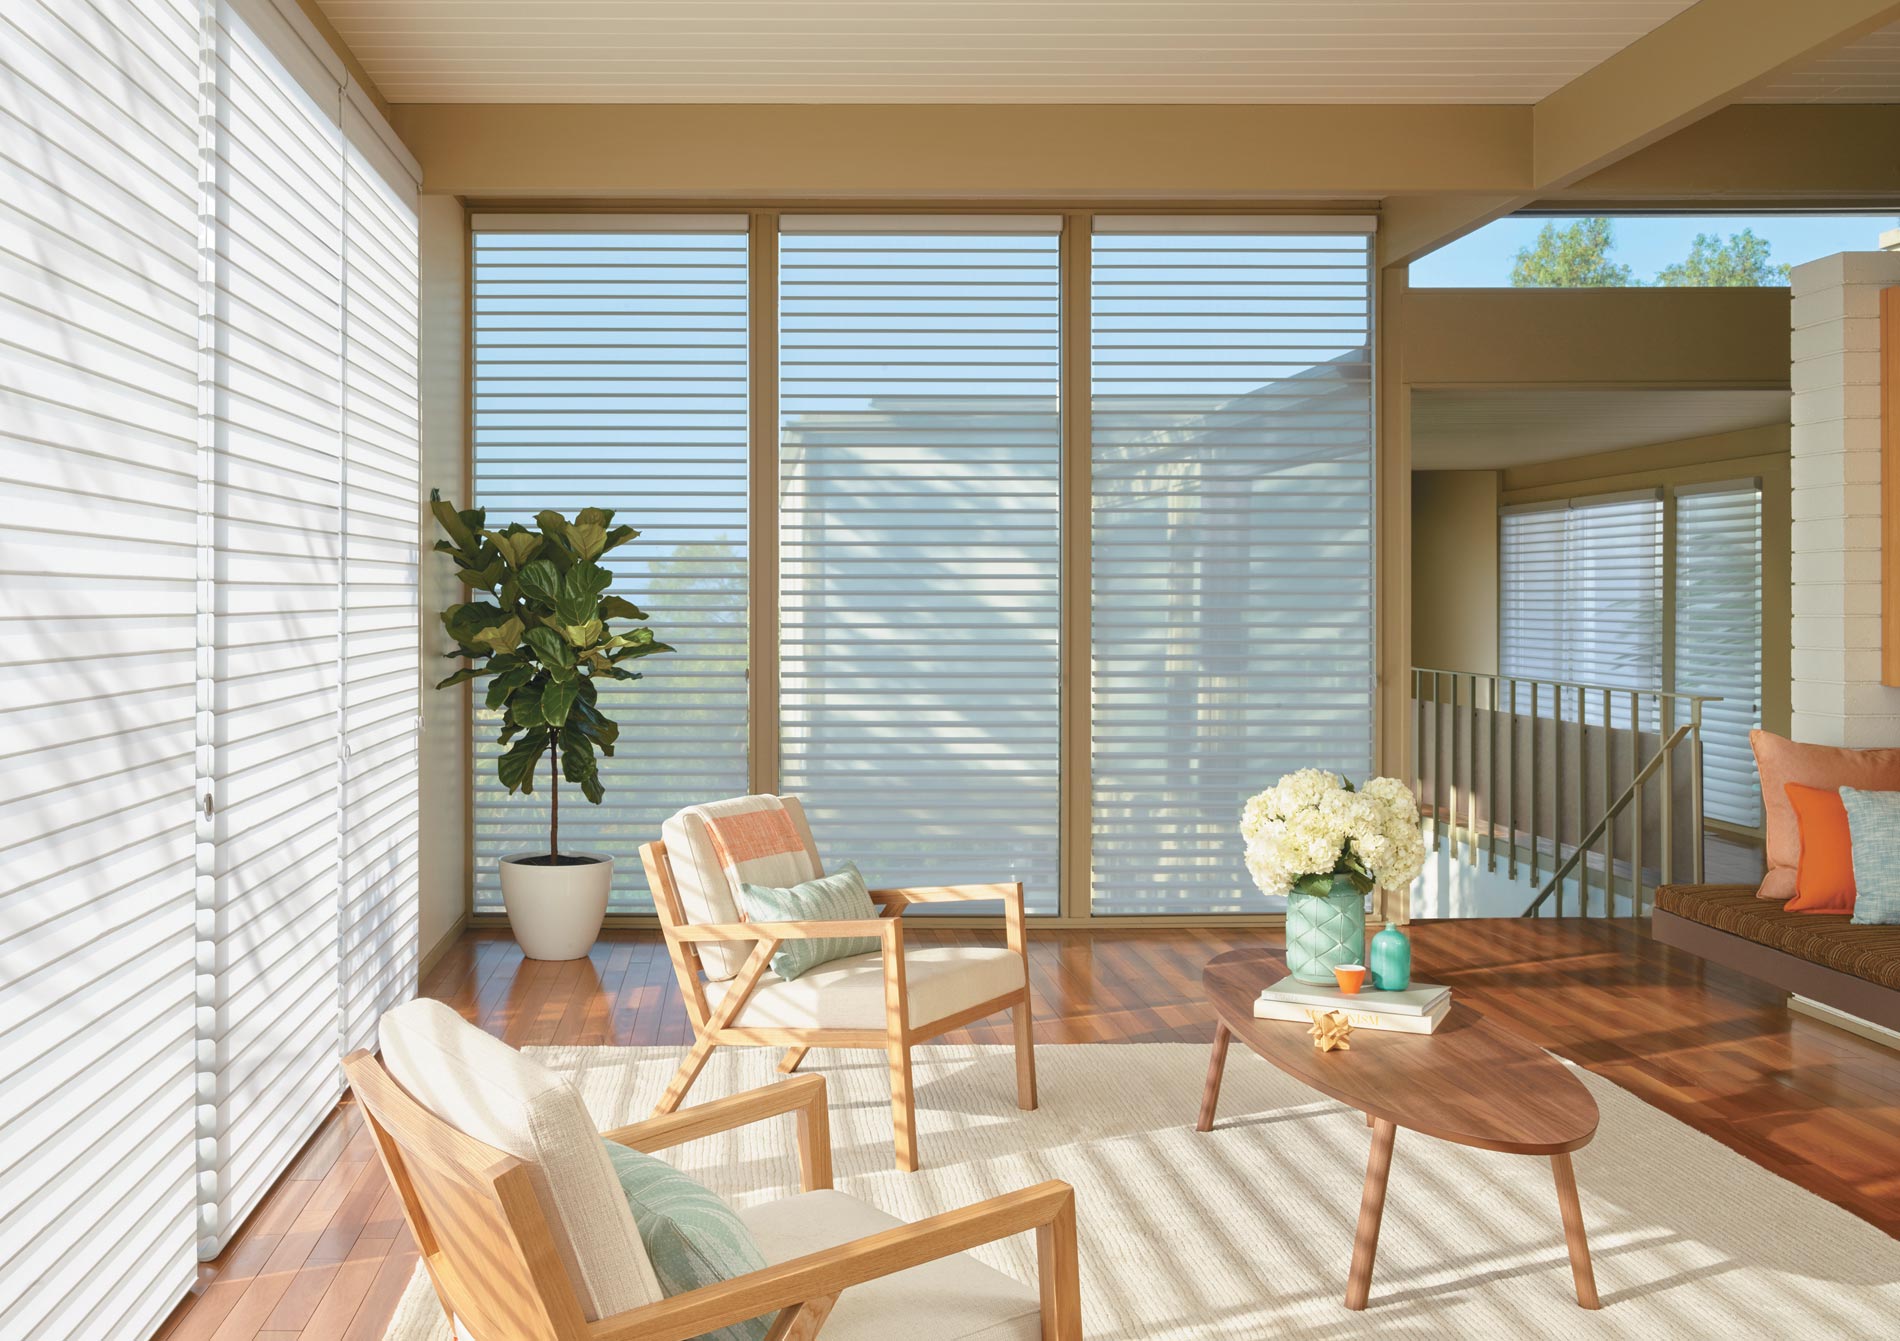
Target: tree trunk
x,y
554,801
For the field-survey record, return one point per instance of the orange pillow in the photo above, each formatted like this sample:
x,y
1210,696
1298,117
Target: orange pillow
x,y
1782,761
1824,880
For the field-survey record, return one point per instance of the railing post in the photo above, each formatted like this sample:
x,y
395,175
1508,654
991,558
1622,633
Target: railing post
x,y
1438,776
1471,782
1491,782
1695,789
1636,829
1609,849
1666,867
1511,768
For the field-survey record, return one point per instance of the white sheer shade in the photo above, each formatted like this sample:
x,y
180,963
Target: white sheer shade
x,y
1231,544
920,461
1718,637
611,371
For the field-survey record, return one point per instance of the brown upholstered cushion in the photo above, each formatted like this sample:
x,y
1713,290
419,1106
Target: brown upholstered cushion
x,y
1827,939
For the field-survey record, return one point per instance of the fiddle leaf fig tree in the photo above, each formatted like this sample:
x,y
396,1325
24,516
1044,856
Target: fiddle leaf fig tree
x,y
540,633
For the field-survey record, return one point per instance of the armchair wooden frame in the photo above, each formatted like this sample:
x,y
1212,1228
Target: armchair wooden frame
x,y
713,1025
489,1252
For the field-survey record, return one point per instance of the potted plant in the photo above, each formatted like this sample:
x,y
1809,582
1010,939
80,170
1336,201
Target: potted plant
x,y
541,637
1325,846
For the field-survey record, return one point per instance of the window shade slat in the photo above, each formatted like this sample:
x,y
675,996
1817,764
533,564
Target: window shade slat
x,y
611,371
1231,541
918,520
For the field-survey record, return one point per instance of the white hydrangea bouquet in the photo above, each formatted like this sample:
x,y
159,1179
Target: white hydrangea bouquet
x,y
1312,828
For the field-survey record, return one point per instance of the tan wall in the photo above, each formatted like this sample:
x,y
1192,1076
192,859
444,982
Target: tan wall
x,y
1455,570
444,786
1597,337
1759,452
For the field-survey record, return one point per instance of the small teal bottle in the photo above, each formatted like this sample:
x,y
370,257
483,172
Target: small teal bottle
x,y
1391,960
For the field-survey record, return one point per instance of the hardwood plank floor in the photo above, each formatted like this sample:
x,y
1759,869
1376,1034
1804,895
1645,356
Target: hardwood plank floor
x,y
326,1256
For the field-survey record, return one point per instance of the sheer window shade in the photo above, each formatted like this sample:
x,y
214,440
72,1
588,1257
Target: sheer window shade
x,y
98,445
204,333
1718,637
381,658
920,457
1581,595
611,371
269,845
1232,541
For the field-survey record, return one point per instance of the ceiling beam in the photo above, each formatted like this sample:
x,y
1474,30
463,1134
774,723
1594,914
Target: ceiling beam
x,y
1694,65
1697,62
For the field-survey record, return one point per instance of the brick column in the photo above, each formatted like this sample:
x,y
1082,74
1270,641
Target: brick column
x,y
1837,695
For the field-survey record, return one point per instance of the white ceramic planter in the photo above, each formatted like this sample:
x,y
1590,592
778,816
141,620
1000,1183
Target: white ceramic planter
x,y
556,911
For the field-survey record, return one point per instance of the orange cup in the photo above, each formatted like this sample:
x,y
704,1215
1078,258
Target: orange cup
x,y
1351,977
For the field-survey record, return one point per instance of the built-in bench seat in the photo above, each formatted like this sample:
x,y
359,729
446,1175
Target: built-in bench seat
x,y
1821,956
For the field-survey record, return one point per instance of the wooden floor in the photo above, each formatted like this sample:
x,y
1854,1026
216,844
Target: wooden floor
x,y
326,1257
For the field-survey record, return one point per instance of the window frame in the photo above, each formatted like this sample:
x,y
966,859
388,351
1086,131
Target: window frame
x,y
1078,224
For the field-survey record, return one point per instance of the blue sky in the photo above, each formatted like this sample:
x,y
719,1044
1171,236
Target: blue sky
x,y
1647,244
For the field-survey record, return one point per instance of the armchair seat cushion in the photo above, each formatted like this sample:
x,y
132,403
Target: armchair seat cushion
x,y
952,1299
849,993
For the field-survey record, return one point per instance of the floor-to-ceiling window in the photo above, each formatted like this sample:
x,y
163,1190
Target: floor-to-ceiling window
x,y
866,417
1231,521
610,365
919,533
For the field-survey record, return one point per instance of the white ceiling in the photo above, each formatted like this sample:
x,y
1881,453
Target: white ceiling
x,y
1079,51
1489,430
1863,71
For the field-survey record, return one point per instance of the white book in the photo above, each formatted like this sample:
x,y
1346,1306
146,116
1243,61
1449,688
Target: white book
x,y
1414,1000
1359,1018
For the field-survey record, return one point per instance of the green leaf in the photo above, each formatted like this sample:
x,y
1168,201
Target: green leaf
x,y
451,521
524,708
517,544
516,768
617,537
557,699
579,597
465,622
619,607
552,648
504,637
584,635
601,517
540,582
465,674
1314,884
588,540
505,683
639,650
591,788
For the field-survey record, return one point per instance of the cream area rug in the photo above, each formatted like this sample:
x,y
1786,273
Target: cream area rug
x,y
1246,1232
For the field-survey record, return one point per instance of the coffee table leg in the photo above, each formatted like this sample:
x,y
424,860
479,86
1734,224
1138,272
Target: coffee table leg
x,y
1365,1240
1217,1063
1579,1246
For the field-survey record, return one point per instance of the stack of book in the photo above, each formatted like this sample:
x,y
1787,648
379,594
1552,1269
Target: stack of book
x,y
1416,1010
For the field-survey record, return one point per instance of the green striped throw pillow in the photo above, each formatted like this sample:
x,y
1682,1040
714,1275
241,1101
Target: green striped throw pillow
x,y
840,897
691,1236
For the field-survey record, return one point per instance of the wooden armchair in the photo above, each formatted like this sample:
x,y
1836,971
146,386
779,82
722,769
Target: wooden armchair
x,y
484,1235
890,1000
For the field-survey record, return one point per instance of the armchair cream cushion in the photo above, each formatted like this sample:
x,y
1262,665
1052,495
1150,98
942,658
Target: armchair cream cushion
x,y
485,1089
708,896
951,1299
849,993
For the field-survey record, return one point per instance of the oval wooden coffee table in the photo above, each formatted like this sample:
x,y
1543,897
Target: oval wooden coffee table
x,y
1470,1082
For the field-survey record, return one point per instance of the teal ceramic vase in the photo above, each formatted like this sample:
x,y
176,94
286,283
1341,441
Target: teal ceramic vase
x,y
1391,960
1323,931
